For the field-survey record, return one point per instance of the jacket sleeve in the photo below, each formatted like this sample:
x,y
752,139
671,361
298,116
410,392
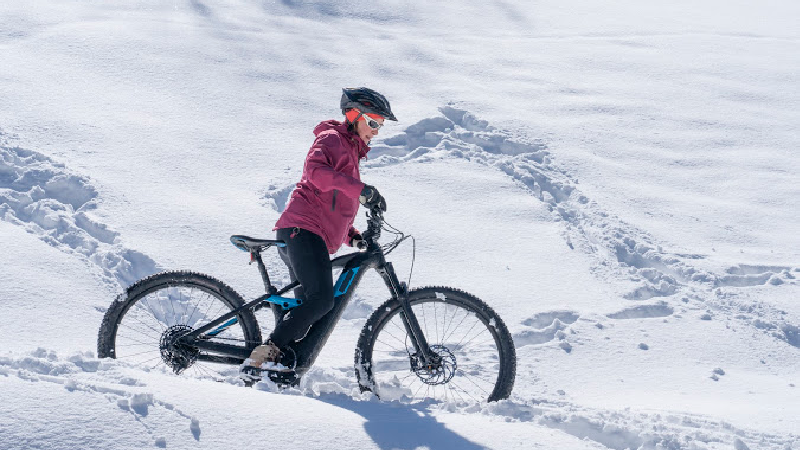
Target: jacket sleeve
x,y
320,167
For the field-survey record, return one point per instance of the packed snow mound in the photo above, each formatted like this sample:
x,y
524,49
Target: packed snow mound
x,y
52,202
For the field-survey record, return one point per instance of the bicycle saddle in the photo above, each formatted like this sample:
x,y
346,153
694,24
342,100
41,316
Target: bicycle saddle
x,y
248,244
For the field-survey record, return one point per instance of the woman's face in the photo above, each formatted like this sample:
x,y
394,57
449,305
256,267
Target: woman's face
x,y
365,132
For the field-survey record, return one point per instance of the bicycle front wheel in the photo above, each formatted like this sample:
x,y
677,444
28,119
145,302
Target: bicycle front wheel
x,y
475,349
143,326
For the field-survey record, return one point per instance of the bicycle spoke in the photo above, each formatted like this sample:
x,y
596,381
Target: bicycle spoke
x,y
461,337
189,307
205,371
163,313
490,340
467,333
205,314
464,391
401,341
420,388
468,378
474,337
424,320
138,343
194,310
153,313
454,391
450,323
390,346
141,332
140,353
147,316
466,314
150,314
436,322
172,306
409,375
159,363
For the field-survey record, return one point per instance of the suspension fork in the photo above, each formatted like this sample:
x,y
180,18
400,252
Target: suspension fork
x,y
400,292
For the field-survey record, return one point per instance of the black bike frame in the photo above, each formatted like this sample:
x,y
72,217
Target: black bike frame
x,y
307,349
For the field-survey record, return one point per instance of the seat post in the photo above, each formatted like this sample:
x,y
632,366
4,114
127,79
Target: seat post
x,y
256,255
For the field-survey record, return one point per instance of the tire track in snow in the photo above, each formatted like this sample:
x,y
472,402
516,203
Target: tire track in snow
x,y
108,378
50,201
459,134
620,430
621,249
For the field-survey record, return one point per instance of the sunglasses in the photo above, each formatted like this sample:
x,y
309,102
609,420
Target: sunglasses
x,y
372,123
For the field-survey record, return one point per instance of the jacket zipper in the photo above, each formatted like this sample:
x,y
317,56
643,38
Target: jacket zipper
x,y
333,204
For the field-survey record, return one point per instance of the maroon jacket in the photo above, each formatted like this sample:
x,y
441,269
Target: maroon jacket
x,y
325,201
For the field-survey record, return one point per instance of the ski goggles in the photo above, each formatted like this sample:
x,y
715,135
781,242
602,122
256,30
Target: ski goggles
x,y
371,119
371,122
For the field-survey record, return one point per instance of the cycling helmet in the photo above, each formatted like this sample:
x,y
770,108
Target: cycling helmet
x,y
367,101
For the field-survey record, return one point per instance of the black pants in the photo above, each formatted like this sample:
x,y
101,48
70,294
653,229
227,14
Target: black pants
x,y
306,256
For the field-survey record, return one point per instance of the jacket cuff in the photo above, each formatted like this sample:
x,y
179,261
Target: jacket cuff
x,y
354,190
350,235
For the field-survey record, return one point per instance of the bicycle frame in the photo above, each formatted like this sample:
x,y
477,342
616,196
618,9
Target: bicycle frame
x,y
306,350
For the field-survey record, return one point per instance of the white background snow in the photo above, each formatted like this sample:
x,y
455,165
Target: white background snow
x,y
618,180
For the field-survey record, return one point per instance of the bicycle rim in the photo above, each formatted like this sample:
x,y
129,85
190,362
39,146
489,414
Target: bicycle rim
x,y
463,336
146,332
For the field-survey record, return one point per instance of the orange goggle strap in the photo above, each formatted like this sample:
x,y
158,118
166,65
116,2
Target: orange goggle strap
x,y
353,115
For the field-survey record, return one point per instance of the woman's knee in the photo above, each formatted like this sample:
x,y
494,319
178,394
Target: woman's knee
x,y
320,303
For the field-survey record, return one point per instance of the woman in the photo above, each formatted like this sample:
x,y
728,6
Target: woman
x,y
319,216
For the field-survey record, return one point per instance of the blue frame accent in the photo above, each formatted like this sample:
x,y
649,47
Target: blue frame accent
x,y
337,289
222,327
287,303
284,302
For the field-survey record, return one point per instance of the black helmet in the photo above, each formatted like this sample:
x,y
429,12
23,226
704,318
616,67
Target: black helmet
x,y
367,101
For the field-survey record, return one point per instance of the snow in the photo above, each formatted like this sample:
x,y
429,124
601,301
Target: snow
x,y
618,181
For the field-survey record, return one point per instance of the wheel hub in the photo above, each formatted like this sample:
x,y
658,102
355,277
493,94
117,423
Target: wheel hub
x,y
175,353
437,372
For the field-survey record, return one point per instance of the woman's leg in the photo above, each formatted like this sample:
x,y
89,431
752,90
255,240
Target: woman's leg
x,y
307,257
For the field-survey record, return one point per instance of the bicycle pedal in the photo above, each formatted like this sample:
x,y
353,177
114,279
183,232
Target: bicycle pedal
x,y
283,378
250,375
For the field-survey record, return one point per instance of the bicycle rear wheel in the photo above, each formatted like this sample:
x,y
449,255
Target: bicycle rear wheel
x,y
475,347
142,326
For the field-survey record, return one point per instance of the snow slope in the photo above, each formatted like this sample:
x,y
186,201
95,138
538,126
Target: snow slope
x,y
618,181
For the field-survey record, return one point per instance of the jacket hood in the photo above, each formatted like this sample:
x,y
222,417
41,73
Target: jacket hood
x,y
341,128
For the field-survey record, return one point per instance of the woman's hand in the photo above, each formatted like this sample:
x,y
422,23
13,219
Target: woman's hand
x,y
371,198
358,242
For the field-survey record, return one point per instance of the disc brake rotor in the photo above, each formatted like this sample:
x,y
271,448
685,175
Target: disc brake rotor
x,y
439,373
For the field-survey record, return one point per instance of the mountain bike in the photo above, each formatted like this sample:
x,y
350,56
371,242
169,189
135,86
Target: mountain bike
x,y
435,343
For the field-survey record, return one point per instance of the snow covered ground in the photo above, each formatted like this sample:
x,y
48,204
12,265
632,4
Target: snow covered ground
x,y
619,181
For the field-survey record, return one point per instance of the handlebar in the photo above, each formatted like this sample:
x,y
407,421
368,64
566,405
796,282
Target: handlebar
x,y
374,225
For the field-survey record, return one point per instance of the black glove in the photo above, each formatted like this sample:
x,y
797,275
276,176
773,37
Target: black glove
x,y
371,198
358,242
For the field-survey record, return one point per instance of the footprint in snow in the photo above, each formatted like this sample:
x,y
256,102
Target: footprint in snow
x,y
643,312
547,327
50,201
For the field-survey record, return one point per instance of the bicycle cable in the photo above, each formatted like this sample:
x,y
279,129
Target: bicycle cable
x,y
400,237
